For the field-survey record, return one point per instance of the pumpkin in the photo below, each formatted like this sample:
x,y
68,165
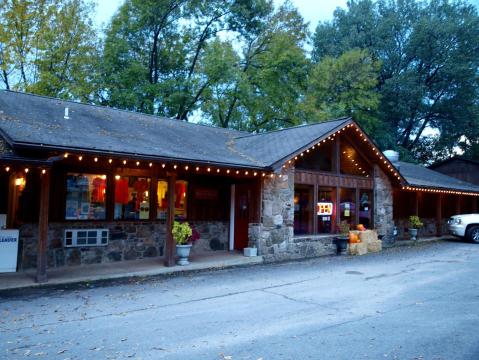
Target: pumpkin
x,y
360,227
353,238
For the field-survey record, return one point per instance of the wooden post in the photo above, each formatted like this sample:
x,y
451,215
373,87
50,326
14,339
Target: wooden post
x,y
315,202
154,194
338,208
474,204
170,218
416,203
439,215
43,228
458,204
12,202
357,206
337,156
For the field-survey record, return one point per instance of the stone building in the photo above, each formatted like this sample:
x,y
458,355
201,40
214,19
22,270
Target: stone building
x,y
88,184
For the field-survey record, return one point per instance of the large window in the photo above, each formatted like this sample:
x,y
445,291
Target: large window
x,y
303,210
325,210
365,208
181,189
86,197
132,198
320,159
347,206
351,162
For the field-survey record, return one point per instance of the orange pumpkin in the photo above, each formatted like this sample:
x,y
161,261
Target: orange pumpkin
x,y
360,227
353,238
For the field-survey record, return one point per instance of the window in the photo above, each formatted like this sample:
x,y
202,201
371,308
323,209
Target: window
x,y
86,237
325,210
303,210
365,208
348,206
86,197
132,198
351,162
320,159
181,189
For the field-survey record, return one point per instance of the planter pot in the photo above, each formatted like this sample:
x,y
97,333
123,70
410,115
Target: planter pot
x,y
183,251
413,234
341,244
250,252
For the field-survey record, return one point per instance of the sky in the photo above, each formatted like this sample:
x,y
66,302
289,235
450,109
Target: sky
x,y
313,11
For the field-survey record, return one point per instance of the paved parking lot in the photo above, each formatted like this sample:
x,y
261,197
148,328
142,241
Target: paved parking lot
x,y
406,303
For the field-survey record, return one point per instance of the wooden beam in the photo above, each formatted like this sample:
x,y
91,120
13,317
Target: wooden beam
x,y
43,228
439,215
338,209
170,245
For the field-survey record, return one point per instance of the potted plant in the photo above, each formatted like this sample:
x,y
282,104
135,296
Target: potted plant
x,y
342,239
182,234
415,224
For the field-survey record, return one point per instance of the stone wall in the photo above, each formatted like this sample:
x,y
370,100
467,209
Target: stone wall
x,y
383,205
127,241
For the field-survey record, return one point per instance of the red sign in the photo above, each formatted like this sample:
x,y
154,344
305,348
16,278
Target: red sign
x,y
206,194
325,208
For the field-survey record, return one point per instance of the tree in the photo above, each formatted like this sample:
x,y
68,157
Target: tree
x,y
344,86
266,80
428,80
48,47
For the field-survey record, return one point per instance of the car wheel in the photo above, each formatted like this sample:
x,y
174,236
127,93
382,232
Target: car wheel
x,y
473,234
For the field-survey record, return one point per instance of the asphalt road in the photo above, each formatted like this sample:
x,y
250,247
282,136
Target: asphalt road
x,y
408,303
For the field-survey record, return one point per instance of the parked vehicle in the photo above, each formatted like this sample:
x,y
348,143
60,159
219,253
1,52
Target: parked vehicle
x,y
465,226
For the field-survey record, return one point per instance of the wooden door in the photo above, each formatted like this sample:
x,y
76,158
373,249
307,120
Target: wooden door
x,y
242,215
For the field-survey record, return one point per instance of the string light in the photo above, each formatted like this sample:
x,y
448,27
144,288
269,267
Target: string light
x,y
66,155
124,162
95,159
27,170
80,158
110,160
7,169
150,164
43,171
137,163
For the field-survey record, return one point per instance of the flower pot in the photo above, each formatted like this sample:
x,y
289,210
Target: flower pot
x,y
341,244
413,234
183,251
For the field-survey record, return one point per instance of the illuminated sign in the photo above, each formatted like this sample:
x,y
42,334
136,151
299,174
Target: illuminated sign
x,y
325,208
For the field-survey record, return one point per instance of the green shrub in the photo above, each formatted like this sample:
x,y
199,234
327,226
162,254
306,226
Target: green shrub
x,y
181,232
415,222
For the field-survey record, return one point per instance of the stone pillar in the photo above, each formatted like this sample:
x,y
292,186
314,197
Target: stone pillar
x,y
273,235
383,204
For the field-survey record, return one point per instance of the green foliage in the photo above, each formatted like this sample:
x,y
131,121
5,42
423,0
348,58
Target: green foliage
x,y
428,79
415,222
344,86
181,232
48,47
344,227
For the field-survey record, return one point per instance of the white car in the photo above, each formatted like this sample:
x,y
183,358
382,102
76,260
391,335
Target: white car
x,y
465,226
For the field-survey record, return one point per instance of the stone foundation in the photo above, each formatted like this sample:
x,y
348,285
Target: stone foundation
x,y
127,241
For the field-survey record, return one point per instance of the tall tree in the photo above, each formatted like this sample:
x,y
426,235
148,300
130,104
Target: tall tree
x,y
266,79
344,86
48,47
429,74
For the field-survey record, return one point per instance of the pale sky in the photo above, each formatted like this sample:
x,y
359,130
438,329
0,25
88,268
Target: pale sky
x,y
312,10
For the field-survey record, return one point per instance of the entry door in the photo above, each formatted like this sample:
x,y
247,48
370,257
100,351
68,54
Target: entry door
x,y
242,215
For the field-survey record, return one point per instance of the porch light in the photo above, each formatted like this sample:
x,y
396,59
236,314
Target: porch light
x,y
163,166
80,158
197,168
43,171
7,169
137,163
20,182
65,155
228,171
186,167
124,162
110,160
95,159
175,166
27,170
246,173
151,164
217,170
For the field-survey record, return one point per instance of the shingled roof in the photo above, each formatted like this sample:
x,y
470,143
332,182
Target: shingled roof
x,y
33,121
418,175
